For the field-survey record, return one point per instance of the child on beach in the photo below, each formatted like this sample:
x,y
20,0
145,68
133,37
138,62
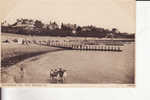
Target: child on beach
x,y
58,75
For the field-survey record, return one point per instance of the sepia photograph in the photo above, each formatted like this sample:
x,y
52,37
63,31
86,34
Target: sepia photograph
x,y
69,42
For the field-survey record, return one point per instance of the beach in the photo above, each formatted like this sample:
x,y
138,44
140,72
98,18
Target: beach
x,y
88,67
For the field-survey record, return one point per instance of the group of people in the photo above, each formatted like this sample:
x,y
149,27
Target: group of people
x,y
58,75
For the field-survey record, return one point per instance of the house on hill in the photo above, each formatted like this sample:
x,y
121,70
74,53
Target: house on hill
x,y
24,23
53,26
87,28
4,24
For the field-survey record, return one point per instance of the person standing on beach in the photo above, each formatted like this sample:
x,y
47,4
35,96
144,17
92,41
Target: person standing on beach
x,y
60,75
55,73
64,75
21,72
51,74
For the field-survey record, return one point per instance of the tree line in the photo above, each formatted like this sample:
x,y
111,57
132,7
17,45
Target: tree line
x,y
37,27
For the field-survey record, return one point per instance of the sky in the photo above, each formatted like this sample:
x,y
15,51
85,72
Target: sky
x,y
101,13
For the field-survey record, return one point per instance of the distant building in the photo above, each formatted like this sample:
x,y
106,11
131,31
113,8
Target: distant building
x,y
52,26
20,40
74,31
45,26
4,23
69,26
24,23
86,28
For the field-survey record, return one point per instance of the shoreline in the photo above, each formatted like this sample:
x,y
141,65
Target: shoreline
x,y
9,64
36,60
9,61
32,67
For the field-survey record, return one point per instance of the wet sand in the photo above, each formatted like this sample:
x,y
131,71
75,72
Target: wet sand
x,y
9,61
86,67
15,53
82,67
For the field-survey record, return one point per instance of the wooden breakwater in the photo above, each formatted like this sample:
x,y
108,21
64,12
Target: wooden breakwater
x,y
77,45
74,46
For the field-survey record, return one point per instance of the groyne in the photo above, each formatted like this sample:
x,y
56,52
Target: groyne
x,y
79,46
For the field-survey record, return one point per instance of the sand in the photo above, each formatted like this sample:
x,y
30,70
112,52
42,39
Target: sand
x,y
13,53
83,66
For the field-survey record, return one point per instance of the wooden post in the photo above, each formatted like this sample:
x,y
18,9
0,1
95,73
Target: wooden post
x,y
108,48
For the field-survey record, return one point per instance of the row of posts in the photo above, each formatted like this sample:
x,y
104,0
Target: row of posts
x,y
85,47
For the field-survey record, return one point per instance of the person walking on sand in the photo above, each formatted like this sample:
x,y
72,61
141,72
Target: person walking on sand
x,y
21,72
